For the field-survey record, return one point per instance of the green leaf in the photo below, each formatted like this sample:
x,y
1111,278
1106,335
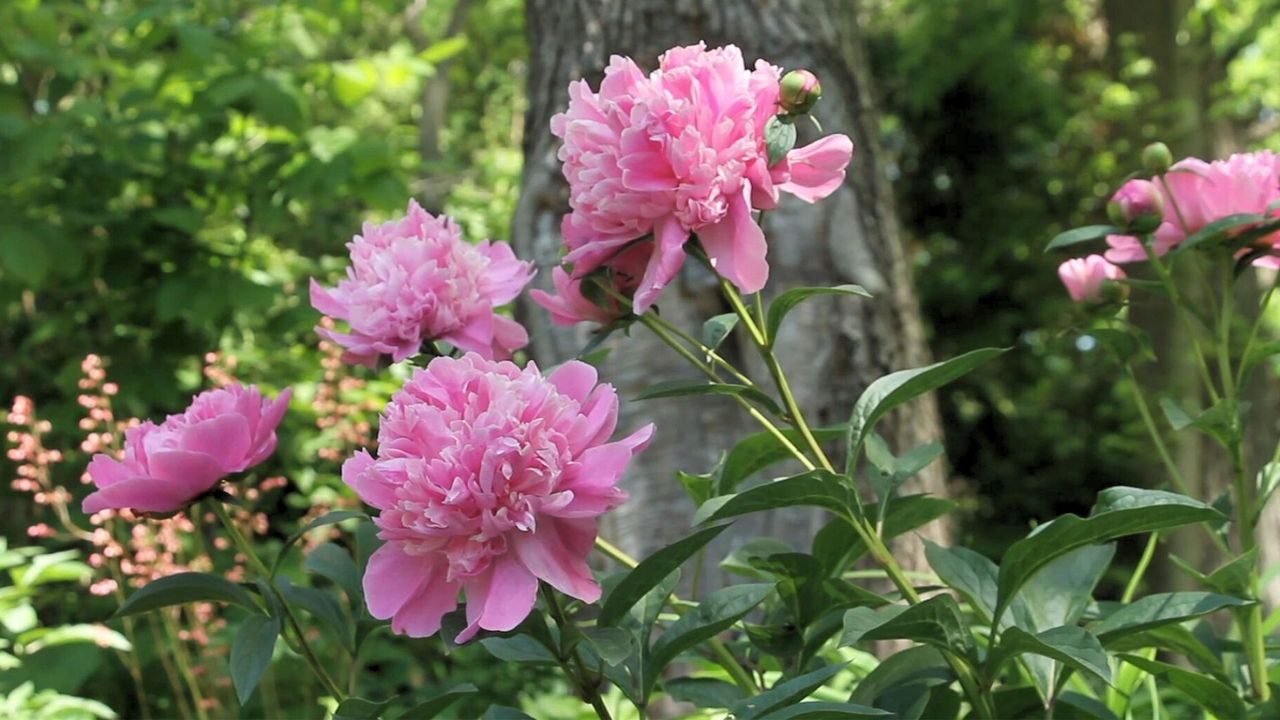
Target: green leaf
x,y
185,588
715,330
322,606
936,621
889,472
651,571
704,692
1218,230
1233,578
828,711
428,709
897,388
518,648
438,52
713,615
1212,695
332,561
354,708
1161,609
681,388
503,712
912,667
779,138
837,545
968,573
1120,511
761,450
816,488
1073,646
1078,235
1175,639
329,518
787,301
251,653
784,694
612,645
25,259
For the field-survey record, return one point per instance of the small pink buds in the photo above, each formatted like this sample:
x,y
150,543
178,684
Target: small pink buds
x,y
1137,206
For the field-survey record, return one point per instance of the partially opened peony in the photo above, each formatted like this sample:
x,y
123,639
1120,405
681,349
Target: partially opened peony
x,y
681,151
166,466
1085,277
489,478
1196,193
415,280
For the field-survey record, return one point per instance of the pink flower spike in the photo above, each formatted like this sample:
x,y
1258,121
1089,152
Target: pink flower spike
x,y
489,478
1085,277
166,466
415,280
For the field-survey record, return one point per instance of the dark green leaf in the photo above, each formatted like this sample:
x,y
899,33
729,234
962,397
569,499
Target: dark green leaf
x,y
713,615
1070,645
1212,695
837,545
185,588
704,692
816,488
1078,235
1120,511
612,645
1218,230
503,712
761,450
681,388
651,571
788,300
968,573
828,711
784,694
518,648
1233,578
251,653
897,388
428,709
936,621
322,606
354,708
332,561
913,666
715,330
1161,609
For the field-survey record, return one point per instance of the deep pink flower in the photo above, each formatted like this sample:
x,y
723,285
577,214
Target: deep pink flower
x,y
681,151
1199,193
415,280
166,466
489,478
1138,206
570,305
1084,277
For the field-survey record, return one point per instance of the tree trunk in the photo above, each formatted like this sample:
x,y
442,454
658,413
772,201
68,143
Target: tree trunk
x,y
831,348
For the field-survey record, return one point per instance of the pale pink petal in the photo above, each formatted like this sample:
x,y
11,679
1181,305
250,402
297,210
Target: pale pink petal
x,y
225,437
141,494
575,379
393,577
817,169
105,470
360,473
501,599
552,557
322,299
197,472
668,256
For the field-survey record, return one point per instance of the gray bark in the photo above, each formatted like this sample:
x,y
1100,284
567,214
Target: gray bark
x,y
831,349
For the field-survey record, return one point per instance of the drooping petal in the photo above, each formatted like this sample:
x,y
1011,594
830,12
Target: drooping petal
x,y
393,577
499,600
818,168
360,473
105,470
197,472
552,554
668,256
140,494
737,247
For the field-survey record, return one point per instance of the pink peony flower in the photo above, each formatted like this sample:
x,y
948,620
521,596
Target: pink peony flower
x,y
1084,277
570,305
489,478
681,151
1137,205
415,280
166,466
1199,192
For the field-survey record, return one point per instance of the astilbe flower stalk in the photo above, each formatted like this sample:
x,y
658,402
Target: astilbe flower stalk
x,y
657,158
488,479
167,466
415,280
1195,193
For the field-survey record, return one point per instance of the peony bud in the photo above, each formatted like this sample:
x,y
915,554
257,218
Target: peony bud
x,y
1157,158
1085,277
799,92
1137,206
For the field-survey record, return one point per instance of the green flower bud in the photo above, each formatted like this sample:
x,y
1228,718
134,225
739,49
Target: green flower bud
x,y
798,92
1157,158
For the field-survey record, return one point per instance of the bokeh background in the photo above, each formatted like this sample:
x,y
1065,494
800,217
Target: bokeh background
x,y
173,173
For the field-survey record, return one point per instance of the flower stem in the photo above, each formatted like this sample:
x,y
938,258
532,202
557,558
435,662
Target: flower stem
x,y
261,570
577,673
1148,552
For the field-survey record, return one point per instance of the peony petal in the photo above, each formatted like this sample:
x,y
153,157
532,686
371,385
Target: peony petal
x,y
141,494
817,169
557,559
105,471
322,299
225,437
574,379
500,599
360,473
737,247
197,472
393,577
668,255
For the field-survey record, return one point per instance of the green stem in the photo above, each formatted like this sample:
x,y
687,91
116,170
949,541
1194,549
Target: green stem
x,y
1179,306
654,327
1148,552
1253,332
179,650
708,352
588,689
261,570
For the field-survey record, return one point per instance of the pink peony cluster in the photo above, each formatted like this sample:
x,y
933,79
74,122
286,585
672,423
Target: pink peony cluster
x,y
653,159
1085,277
415,280
1195,193
166,466
488,479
